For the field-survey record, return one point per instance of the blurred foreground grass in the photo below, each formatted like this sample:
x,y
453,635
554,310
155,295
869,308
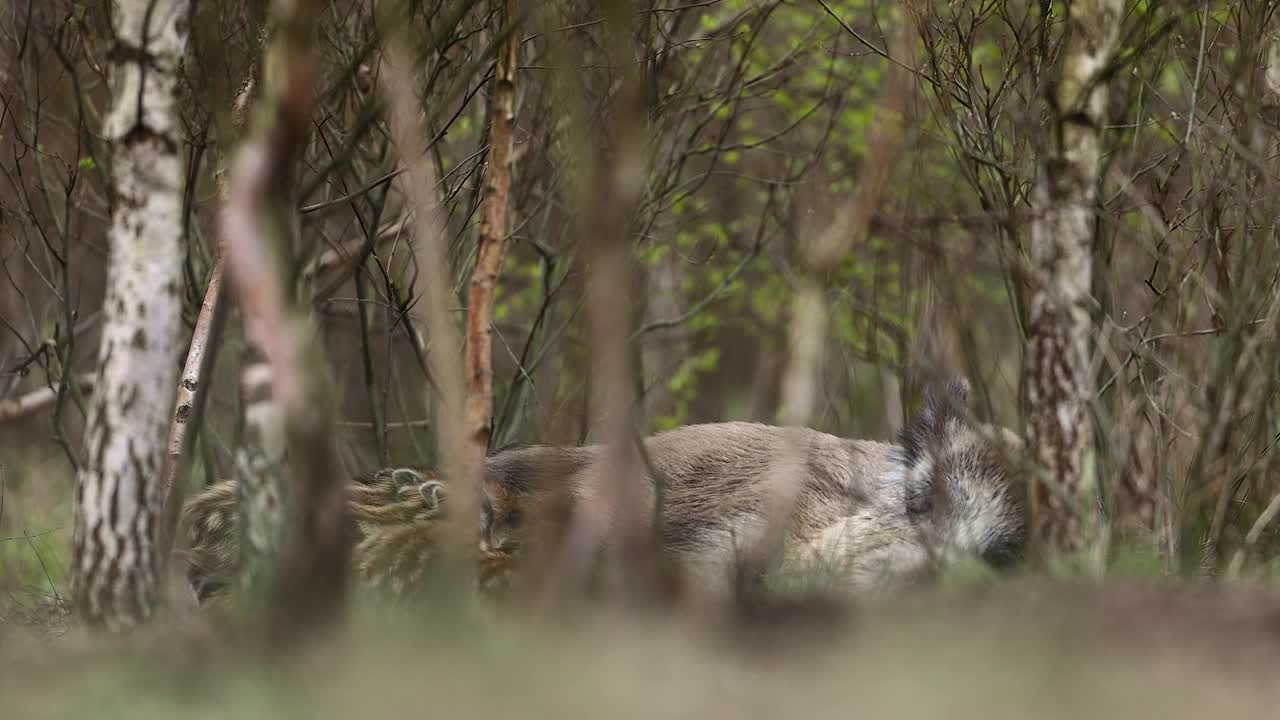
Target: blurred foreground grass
x,y
974,646
1024,649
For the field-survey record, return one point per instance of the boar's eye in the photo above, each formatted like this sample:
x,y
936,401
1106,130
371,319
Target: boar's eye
x,y
920,502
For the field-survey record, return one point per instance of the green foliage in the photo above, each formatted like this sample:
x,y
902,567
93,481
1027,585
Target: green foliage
x,y
35,533
1136,560
770,298
968,572
1070,566
683,386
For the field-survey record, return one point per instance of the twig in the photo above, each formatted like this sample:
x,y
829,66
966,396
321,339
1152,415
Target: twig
x,y
45,569
395,425
35,400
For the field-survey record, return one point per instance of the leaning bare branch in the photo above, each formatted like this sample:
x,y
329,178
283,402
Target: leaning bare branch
x,y
201,354
191,397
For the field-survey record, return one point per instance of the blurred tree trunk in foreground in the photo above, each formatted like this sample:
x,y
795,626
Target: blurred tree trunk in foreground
x,y
818,257
610,545
296,527
115,561
430,310
1056,377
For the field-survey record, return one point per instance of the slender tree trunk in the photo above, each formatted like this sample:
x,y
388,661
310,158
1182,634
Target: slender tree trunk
x,y
1056,377
431,311
117,495
1137,490
611,537
492,241
296,527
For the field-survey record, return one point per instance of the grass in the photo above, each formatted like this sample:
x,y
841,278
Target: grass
x,y
976,644
1015,650
35,528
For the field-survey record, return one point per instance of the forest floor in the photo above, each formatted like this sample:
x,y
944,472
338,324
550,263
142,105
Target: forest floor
x,y
975,648
1018,649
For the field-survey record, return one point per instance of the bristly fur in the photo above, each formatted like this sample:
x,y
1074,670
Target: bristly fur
x,y
962,487
940,404
876,512
397,511
871,514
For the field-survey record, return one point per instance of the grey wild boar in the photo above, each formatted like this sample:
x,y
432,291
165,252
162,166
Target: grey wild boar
x,y
867,514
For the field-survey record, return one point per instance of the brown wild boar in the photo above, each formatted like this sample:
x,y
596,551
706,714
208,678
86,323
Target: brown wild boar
x,y
398,512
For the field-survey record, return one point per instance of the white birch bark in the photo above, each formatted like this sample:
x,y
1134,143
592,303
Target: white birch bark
x,y
117,496
1057,380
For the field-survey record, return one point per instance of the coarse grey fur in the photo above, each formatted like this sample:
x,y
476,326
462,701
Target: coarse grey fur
x,y
872,512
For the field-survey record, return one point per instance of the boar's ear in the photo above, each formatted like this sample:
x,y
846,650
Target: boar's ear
x,y
405,478
1010,441
949,400
941,403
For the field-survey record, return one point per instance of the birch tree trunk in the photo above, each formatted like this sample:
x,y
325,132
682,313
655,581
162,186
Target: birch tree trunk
x,y
1056,377
115,564
492,240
